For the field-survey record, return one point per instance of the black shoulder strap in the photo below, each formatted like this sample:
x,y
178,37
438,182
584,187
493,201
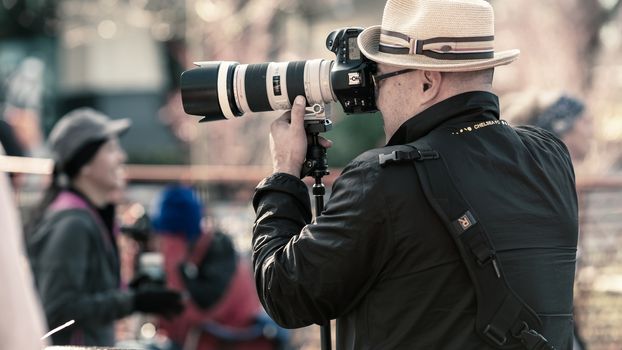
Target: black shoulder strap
x,y
503,319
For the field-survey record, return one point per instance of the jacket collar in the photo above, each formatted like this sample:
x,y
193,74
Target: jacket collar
x,y
465,106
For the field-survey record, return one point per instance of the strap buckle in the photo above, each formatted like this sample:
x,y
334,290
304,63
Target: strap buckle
x,y
190,270
495,336
492,258
390,157
427,154
534,341
416,154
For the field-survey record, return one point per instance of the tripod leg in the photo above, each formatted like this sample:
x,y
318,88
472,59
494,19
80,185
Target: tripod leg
x,y
325,337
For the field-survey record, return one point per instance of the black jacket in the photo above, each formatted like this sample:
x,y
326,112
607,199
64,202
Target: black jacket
x,y
75,265
380,261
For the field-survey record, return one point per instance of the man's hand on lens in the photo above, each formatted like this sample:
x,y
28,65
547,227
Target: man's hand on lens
x,y
288,140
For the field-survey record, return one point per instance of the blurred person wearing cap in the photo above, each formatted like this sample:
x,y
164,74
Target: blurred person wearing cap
x,y
562,114
71,240
456,207
222,310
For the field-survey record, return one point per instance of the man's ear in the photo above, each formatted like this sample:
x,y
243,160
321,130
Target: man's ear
x,y
430,85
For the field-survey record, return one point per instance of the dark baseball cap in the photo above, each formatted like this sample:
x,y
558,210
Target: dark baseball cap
x,y
79,128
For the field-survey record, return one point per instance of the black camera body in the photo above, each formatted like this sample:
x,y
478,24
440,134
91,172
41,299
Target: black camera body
x,y
220,90
351,74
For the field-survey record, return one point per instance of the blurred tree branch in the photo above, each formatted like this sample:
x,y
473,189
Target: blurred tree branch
x,y
247,31
609,14
568,35
595,17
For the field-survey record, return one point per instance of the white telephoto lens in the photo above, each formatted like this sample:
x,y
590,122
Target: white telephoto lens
x,y
276,86
223,92
239,90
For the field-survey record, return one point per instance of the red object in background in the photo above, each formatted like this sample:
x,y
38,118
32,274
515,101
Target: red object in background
x,y
237,310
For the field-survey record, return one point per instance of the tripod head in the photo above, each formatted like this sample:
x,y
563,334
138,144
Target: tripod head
x,y
316,121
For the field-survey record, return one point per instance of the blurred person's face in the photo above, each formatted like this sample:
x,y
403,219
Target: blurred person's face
x,y
578,139
106,170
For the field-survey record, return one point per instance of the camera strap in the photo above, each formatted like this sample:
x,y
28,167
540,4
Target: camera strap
x,y
503,319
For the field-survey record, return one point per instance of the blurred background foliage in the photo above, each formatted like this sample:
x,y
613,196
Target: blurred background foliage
x,y
124,57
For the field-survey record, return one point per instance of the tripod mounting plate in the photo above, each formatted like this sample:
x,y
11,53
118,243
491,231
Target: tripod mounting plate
x,y
317,118
316,122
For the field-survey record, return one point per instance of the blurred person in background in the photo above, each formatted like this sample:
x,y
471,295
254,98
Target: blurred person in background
x,y
71,240
395,254
562,114
222,311
22,323
565,117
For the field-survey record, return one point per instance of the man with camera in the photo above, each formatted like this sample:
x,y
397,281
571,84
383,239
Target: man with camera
x,y
460,233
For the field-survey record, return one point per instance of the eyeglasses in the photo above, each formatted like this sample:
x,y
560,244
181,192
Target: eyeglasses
x,y
378,78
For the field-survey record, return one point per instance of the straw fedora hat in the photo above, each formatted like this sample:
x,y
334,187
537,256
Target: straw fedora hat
x,y
435,35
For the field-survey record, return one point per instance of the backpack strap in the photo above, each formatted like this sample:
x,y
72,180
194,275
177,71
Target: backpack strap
x,y
503,319
209,269
67,200
197,253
